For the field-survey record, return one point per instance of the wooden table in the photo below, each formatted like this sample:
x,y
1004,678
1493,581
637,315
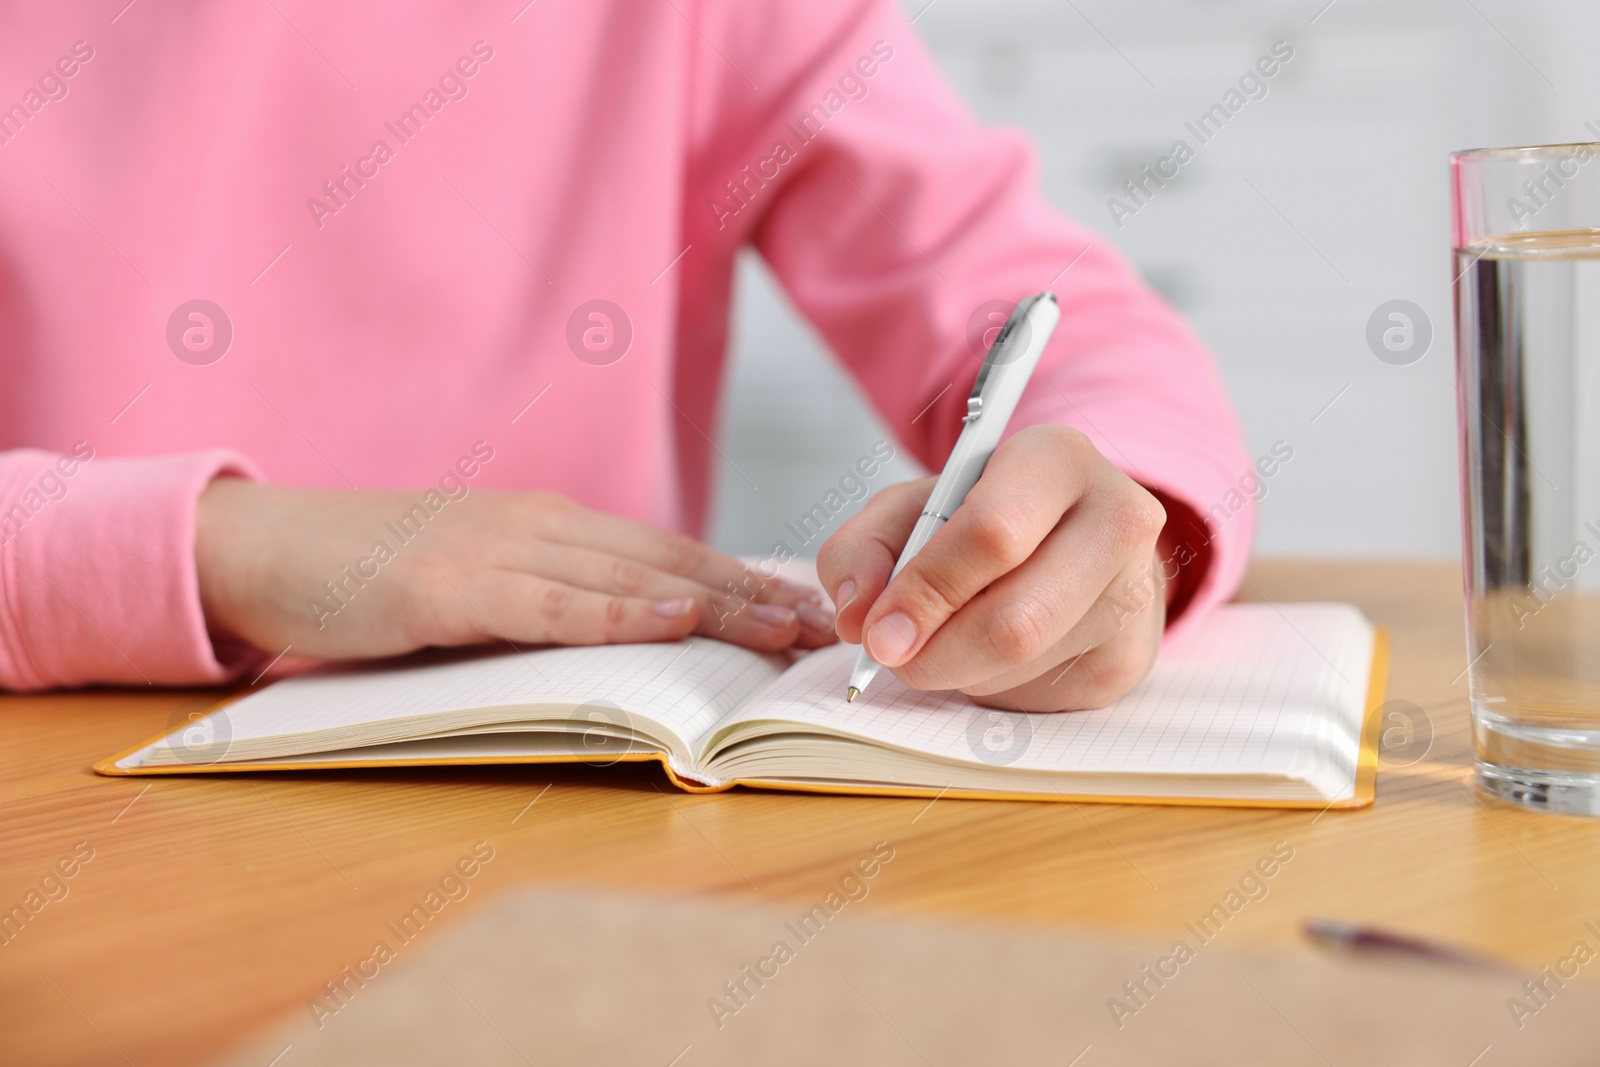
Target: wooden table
x,y
213,905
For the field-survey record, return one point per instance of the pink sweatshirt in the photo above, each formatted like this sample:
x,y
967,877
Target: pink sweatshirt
x,y
399,215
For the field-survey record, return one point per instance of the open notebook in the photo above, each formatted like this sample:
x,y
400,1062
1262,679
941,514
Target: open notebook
x,y
1258,705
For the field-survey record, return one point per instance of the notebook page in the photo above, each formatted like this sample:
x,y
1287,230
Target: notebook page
x,y
686,686
1253,689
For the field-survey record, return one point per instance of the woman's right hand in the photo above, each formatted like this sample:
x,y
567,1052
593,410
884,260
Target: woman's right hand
x,y
335,574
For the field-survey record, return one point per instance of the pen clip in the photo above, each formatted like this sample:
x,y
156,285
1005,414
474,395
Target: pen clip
x,y
992,358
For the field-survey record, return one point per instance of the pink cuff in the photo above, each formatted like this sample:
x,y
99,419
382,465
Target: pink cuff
x,y
97,571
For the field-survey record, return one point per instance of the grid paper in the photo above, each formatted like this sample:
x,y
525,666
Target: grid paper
x,y
1254,688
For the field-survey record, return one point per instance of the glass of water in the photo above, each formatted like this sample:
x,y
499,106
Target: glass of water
x,y
1527,300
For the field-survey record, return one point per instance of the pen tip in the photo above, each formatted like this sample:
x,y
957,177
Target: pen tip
x,y
850,695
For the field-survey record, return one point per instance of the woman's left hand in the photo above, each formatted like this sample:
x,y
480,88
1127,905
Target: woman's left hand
x,y
1043,592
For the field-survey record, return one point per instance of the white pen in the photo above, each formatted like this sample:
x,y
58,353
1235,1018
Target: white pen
x,y
1005,373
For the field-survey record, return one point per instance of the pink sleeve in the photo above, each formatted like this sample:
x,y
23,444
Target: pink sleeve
x,y
97,572
902,218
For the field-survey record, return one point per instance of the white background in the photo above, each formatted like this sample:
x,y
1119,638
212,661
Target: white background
x,y
1347,157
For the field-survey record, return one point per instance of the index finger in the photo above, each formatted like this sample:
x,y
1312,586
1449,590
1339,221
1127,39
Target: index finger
x,y
854,564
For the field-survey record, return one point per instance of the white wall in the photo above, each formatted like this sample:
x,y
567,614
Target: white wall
x,y
1348,148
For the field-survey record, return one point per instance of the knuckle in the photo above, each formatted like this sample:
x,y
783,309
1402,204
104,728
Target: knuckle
x,y
627,575
683,554
1135,519
556,602
1068,437
1014,635
750,585
614,617
928,594
1072,441
544,511
999,535
832,559
1155,514
721,610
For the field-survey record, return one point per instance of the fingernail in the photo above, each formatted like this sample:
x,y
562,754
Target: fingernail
x,y
847,593
772,614
674,609
816,617
890,638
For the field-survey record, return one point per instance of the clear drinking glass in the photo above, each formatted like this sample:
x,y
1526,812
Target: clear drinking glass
x,y
1527,298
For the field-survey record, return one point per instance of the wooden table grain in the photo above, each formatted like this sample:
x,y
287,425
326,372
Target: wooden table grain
x,y
212,905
